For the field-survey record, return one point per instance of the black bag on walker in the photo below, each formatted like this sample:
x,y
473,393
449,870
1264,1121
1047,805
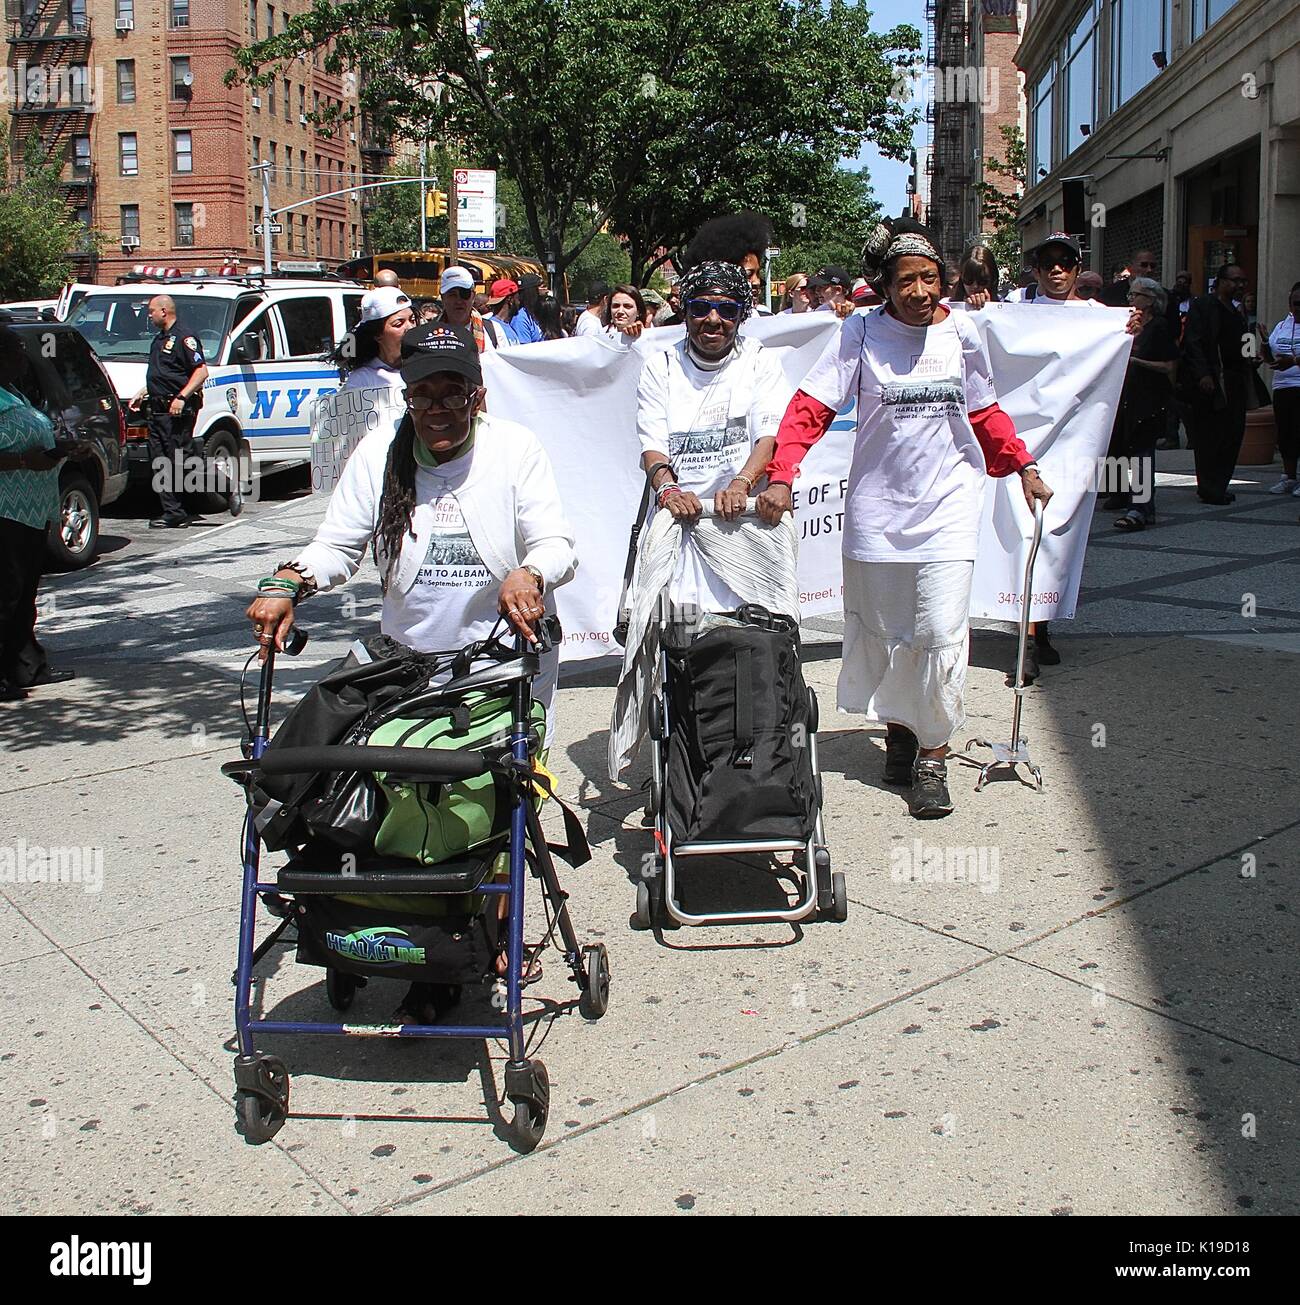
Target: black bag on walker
x,y
739,762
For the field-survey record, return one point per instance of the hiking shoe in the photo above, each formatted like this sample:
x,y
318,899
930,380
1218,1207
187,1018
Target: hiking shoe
x,y
1287,485
900,755
929,797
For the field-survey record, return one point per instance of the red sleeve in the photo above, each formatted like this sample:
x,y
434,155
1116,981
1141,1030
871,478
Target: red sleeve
x,y
806,420
1004,450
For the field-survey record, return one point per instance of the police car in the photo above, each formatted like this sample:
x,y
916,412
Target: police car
x,y
263,338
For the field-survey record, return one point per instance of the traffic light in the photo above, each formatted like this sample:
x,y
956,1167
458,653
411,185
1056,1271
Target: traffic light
x,y
435,203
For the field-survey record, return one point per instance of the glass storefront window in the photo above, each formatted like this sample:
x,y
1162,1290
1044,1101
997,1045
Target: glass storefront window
x,y
1041,161
1138,30
1205,13
1080,56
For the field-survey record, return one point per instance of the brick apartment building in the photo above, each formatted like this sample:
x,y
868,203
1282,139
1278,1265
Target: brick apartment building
x,y
128,97
1183,119
976,90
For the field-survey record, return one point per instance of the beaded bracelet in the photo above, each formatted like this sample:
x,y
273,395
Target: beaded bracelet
x,y
671,487
749,484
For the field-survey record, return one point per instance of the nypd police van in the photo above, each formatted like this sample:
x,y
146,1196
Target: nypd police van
x,y
263,339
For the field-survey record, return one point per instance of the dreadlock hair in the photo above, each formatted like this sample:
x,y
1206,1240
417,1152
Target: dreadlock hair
x,y
728,239
396,501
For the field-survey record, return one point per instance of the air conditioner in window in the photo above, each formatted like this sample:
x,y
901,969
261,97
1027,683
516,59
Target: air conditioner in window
x,y
130,242
352,136
257,101
125,24
302,118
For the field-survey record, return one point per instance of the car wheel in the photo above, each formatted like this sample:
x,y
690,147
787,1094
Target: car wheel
x,y
222,458
74,534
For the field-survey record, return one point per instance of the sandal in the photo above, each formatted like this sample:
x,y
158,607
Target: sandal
x,y
532,970
1131,520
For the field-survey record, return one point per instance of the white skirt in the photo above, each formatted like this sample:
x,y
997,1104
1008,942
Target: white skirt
x,y
906,644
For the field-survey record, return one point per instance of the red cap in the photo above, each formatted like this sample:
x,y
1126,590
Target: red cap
x,y
498,290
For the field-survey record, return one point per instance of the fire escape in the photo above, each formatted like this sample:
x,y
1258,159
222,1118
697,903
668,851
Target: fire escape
x,y
951,164
53,91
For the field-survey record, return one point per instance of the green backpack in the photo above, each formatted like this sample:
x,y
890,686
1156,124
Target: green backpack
x,y
431,823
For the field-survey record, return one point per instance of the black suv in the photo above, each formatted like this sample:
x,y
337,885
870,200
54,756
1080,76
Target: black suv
x,y
66,382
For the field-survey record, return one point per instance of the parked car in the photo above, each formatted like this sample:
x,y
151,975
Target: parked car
x,y
64,380
264,340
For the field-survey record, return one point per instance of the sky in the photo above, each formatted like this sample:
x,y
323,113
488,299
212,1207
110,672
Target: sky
x,y
888,177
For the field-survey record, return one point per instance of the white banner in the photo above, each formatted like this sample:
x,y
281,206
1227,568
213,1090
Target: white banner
x,y
1060,387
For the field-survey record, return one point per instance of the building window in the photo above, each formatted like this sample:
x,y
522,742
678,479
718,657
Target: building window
x,y
270,97
1079,61
77,15
79,87
1205,13
1139,29
126,11
302,101
288,105
273,160
182,151
1042,157
127,157
81,156
130,217
270,22
126,81
184,226
180,13
180,71
252,19
302,176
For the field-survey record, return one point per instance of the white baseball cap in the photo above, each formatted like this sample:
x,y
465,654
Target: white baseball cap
x,y
455,278
381,303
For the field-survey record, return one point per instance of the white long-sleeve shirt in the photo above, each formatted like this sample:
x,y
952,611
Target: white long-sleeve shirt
x,y
511,509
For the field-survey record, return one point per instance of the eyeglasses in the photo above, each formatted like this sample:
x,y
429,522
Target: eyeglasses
x,y
728,309
453,402
459,291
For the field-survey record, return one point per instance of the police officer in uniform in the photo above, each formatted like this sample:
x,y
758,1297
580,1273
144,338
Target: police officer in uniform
x,y
175,377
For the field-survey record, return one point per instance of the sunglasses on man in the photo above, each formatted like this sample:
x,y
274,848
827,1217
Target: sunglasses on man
x,y
1048,261
728,309
459,291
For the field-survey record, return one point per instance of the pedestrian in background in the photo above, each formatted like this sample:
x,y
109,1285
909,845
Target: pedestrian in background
x,y
1282,353
625,315
591,321
29,501
503,303
524,319
671,313
371,353
1144,401
794,299
740,238
457,286
1218,375
1088,285
977,277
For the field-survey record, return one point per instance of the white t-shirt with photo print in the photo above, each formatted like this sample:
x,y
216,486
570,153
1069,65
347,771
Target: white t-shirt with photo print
x,y
707,422
916,480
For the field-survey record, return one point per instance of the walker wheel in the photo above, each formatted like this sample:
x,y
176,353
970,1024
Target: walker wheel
x,y
642,917
825,888
258,1117
840,898
594,1001
532,1106
340,988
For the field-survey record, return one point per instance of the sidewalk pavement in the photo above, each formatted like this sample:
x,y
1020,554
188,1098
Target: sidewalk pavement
x,y
1107,1023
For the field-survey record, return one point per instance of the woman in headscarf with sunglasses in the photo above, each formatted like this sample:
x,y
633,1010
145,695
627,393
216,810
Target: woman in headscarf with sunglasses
x,y
929,432
707,413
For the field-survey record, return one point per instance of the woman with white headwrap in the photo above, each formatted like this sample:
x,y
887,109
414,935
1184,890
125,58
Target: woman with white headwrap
x,y
929,430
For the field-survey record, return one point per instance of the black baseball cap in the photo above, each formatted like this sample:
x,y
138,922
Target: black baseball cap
x,y
428,350
1064,241
833,276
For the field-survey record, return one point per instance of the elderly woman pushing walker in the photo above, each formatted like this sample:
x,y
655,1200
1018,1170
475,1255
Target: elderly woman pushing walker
x,y
929,430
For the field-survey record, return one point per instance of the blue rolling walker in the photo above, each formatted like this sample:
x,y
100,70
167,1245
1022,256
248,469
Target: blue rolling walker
x,y
262,1080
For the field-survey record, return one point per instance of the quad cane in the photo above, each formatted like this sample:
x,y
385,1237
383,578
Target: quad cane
x,y
1017,751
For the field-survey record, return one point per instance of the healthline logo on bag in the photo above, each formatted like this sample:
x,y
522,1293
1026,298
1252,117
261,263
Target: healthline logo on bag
x,y
381,945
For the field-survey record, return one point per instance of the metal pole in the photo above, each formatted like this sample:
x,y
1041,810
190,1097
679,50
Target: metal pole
x,y
424,167
266,216
767,278
453,220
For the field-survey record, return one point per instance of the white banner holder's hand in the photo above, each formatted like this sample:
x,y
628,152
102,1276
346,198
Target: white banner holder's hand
x,y
1017,751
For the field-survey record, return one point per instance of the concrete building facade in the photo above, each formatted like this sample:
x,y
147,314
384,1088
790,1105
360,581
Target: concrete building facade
x,y
1182,117
128,98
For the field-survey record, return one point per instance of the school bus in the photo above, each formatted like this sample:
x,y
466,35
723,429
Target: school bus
x,y
419,271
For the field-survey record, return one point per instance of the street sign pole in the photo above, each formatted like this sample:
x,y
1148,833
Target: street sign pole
x,y
453,203
266,216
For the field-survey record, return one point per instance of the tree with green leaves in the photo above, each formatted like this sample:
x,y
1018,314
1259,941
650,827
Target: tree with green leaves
x,y
38,233
644,120
1000,205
